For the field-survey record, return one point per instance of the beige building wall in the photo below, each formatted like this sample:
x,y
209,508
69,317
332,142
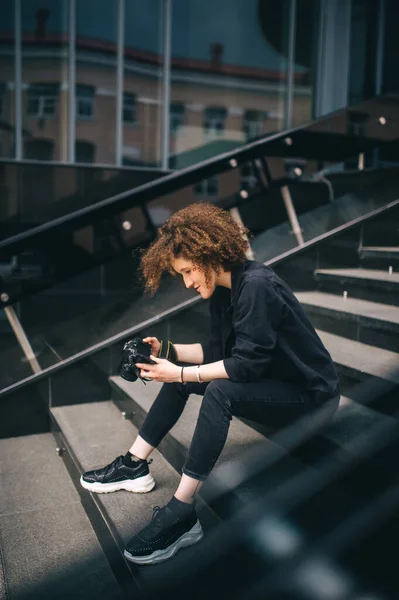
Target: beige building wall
x,y
142,140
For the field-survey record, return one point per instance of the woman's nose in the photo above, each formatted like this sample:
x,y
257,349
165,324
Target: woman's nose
x,y
187,282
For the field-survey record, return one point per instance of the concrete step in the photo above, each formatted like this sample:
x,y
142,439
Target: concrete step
x,y
379,256
353,419
93,435
386,251
47,543
366,284
356,357
368,322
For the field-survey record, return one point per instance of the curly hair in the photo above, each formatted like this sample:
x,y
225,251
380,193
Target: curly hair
x,y
202,233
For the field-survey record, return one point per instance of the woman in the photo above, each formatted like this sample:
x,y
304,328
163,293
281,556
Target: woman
x,y
264,361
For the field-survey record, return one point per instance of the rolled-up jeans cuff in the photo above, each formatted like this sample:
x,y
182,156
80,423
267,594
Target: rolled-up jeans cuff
x,y
147,440
194,475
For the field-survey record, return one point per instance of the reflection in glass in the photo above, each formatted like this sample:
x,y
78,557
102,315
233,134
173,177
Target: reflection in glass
x,y
95,91
7,78
228,75
305,58
44,79
142,99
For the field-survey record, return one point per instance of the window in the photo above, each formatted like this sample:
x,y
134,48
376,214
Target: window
x,y
129,108
177,112
42,99
207,187
248,180
253,123
214,118
84,101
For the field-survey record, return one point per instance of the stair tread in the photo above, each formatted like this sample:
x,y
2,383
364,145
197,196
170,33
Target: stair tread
x,y
44,524
353,419
362,357
360,308
377,275
380,249
97,434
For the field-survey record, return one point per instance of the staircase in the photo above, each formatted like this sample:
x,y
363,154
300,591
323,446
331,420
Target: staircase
x,y
357,317
77,538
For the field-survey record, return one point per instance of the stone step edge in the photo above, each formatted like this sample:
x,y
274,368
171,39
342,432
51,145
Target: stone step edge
x,y
358,316
350,276
108,537
358,348
383,249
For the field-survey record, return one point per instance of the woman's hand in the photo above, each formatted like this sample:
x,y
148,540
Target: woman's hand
x,y
164,370
154,343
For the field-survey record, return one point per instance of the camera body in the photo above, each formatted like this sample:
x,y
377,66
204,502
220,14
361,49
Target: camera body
x,y
134,351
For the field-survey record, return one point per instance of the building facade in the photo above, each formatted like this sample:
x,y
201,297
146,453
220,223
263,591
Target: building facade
x,y
166,83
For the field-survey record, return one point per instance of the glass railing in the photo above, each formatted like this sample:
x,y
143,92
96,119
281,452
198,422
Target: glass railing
x,y
36,192
72,282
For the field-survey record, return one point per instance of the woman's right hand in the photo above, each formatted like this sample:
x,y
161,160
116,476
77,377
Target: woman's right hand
x,y
155,344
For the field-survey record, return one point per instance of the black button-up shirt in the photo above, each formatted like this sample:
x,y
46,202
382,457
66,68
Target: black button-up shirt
x,y
260,331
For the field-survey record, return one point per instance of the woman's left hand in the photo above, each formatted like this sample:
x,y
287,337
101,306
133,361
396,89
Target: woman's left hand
x,y
163,371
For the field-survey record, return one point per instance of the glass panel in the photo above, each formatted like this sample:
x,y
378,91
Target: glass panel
x,y
363,51
34,193
83,276
96,64
142,100
390,48
88,279
305,60
44,79
228,78
7,116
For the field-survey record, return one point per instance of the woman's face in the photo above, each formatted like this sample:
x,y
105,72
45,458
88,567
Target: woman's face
x,y
194,278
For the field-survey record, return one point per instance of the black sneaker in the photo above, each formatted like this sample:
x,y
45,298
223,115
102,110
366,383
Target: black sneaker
x,y
118,476
164,536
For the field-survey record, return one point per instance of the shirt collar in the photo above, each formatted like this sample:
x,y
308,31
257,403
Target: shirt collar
x,y
236,274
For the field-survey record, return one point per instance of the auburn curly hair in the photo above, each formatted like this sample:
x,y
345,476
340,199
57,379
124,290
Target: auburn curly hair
x,y
202,233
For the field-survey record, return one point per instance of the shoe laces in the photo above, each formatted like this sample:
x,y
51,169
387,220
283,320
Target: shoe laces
x,y
115,464
158,518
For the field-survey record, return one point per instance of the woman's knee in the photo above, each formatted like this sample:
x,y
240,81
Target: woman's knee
x,y
219,386
218,392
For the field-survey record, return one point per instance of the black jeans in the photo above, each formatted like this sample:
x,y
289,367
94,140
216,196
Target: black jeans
x,y
273,403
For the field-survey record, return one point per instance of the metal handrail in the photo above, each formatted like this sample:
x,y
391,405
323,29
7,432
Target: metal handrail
x,y
192,301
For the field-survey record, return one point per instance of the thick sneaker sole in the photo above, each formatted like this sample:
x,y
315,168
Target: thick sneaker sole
x,y
141,485
187,539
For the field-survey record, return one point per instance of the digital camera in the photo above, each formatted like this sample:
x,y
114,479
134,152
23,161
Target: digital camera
x,y
134,351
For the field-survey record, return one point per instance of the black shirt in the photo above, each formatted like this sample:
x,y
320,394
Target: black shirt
x,y
260,331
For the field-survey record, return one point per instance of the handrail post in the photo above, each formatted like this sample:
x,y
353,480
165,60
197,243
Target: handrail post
x,y
22,338
235,213
292,216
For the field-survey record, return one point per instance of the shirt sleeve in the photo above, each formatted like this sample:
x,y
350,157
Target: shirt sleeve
x,y
256,323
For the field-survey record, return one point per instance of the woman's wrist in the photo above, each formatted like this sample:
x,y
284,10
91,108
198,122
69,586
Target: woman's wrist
x,y
189,374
